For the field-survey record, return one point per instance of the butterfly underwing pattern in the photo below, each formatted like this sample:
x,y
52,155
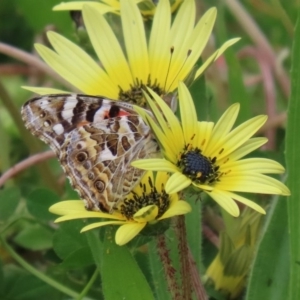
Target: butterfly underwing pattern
x,y
95,140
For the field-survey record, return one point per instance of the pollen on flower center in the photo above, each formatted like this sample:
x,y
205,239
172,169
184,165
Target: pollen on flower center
x,y
135,202
198,167
135,94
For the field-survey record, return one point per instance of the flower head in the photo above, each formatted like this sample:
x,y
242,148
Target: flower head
x,y
147,204
168,56
228,270
208,156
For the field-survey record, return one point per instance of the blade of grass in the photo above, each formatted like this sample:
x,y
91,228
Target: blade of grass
x,y
293,162
268,278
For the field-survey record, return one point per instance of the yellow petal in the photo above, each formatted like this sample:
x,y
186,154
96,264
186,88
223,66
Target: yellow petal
x,y
161,180
144,186
222,128
182,26
75,209
107,48
203,134
181,30
252,183
167,121
159,43
77,5
215,56
84,68
225,202
66,207
187,113
259,165
135,40
238,136
203,187
197,41
177,182
249,146
155,164
100,224
246,201
127,232
146,214
163,139
179,208
88,214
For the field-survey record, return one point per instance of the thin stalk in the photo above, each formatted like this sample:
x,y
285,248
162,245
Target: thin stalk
x,y
26,163
33,61
88,285
37,273
169,270
257,36
185,273
196,279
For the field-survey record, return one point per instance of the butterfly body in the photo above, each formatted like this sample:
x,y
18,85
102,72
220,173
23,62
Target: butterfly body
x,y
95,140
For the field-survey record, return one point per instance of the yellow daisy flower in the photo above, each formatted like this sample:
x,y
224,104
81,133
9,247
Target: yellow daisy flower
x,y
147,7
167,57
147,204
208,156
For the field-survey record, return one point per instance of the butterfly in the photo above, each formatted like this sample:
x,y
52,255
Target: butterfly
x,y
95,140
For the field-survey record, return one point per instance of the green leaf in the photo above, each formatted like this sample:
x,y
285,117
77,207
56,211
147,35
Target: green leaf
x,y
19,285
68,238
201,101
34,237
96,245
40,14
9,200
293,163
1,276
270,273
50,282
194,230
121,275
78,259
38,203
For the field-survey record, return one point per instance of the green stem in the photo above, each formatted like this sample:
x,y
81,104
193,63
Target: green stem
x,y
185,273
37,273
198,287
169,270
89,285
292,162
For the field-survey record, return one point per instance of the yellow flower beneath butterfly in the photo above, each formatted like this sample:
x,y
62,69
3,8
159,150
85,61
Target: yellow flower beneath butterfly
x,y
147,7
168,56
207,156
146,205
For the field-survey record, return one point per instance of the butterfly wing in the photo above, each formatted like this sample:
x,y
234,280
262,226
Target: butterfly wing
x,y
95,140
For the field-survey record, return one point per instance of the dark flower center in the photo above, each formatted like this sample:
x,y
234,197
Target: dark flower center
x,y
197,167
133,204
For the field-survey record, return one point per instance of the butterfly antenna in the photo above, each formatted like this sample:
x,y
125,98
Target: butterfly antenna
x,y
187,56
169,67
